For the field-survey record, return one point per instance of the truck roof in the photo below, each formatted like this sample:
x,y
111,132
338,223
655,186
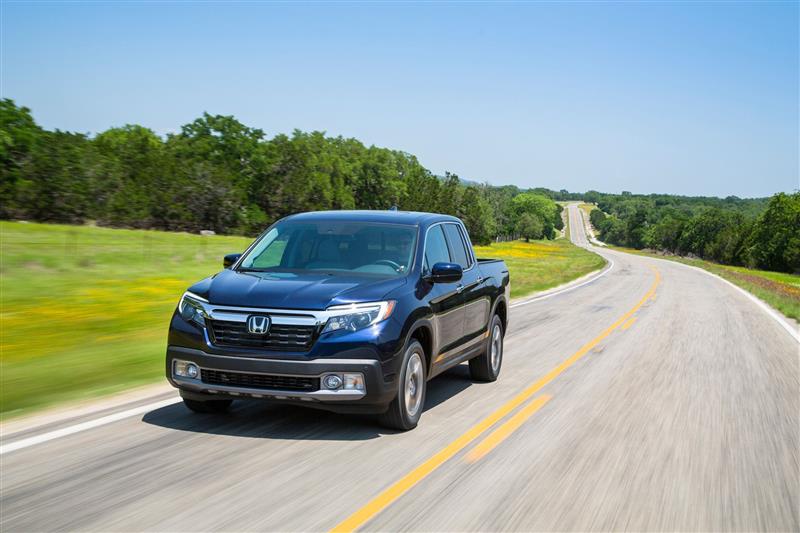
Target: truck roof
x,y
396,217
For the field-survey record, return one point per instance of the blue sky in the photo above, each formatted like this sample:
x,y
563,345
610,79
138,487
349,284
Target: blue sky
x,y
683,98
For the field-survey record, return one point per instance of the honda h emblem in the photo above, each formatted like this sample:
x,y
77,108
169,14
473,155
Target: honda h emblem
x,y
258,324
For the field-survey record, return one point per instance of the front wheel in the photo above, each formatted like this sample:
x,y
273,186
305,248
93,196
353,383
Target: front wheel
x,y
486,367
406,408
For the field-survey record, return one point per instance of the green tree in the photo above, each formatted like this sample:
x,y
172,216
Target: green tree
x,y
422,188
54,186
596,217
541,206
130,181
500,203
19,134
774,242
449,195
220,174
666,234
612,231
476,214
559,221
530,226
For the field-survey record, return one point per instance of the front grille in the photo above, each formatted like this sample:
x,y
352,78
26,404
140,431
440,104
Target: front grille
x,y
259,381
280,337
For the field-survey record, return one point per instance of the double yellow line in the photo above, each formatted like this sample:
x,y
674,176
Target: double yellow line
x,y
388,496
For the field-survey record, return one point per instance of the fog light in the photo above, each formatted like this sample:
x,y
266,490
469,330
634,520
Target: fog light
x,y
353,381
332,382
185,369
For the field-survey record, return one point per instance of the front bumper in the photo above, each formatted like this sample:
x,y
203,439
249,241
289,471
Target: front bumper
x,y
375,398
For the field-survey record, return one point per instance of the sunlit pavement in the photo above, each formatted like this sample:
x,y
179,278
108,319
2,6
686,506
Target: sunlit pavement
x,y
653,398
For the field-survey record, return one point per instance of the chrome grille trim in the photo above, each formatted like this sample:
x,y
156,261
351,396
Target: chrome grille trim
x,y
241,314
287,317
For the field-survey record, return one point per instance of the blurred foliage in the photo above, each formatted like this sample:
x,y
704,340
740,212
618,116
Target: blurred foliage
x,y
85,310
218,174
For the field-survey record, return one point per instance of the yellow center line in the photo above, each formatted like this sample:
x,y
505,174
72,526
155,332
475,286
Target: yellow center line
x,y
629,323
389,495
506,429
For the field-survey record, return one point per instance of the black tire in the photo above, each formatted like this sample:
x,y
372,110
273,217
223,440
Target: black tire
x,y
481,367
400,414
208,406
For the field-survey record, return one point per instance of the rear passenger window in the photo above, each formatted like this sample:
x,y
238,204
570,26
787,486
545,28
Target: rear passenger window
x,y
435,248
457,248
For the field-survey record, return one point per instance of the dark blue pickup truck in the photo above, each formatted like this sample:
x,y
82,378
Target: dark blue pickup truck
x,y
350,311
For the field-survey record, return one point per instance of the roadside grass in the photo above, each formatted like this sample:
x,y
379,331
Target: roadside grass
x,y
541,265
586,208
778,289
84,311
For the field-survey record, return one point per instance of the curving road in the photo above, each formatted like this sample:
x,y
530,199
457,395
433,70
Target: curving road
x,y
655,397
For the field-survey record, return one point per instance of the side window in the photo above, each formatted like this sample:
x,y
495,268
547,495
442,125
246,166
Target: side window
x,y
435,248
457,246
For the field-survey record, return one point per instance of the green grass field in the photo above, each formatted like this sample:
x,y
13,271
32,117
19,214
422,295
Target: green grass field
x,y
780,290
84,311
540,265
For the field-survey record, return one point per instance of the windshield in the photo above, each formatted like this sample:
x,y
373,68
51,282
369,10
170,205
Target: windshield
x,y
333,246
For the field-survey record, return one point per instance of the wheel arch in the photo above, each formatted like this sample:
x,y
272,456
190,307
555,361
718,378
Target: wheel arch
x,y
501,310
422,331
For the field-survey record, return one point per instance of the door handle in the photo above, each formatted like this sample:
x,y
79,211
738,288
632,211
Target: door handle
x,y
459,288
480,280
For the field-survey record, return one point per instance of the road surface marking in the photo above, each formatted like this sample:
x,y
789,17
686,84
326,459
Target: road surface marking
x,y
400,487
91,424
630,322
102,421
602,273
506,429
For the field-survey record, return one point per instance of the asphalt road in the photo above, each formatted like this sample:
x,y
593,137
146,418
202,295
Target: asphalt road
x,y
653,398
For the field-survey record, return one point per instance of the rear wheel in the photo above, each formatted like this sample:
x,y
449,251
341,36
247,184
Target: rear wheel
x,y
486,367
208,406
406,409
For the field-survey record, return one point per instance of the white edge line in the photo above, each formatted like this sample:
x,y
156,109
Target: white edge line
x,y
602,273
83,426
102,421
758,301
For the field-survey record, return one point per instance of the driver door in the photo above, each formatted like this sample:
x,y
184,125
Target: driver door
x,y
446,300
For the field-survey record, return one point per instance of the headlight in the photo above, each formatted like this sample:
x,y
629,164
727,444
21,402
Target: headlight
x,y
358,316
191,309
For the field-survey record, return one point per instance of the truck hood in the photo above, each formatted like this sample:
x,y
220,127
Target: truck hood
x,y
313,291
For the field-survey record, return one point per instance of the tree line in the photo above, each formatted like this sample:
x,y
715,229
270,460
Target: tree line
x,y
219,174
758,233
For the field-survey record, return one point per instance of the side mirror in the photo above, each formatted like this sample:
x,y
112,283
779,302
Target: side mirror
x,y
446,273
230,259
